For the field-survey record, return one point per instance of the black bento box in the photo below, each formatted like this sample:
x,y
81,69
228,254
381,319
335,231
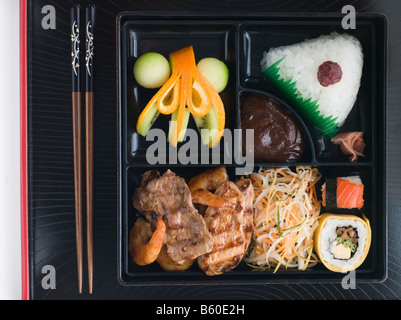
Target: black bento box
x,y
240,40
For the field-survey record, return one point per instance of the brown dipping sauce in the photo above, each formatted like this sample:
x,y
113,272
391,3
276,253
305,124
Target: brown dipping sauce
x,y
278,136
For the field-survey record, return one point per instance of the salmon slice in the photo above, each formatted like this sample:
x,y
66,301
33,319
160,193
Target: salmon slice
x,y
350,193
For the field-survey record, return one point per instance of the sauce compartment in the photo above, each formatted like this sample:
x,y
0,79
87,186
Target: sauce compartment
x,y
269,136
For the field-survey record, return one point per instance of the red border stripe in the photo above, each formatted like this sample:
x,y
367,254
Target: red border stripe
x,y
24,150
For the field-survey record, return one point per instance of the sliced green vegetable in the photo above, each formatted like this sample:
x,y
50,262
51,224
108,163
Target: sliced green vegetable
x,y
347,243
173,125
208,126
340,240
148,118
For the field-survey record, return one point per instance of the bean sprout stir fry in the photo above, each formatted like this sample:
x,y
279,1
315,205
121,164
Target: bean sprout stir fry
x,y
286,215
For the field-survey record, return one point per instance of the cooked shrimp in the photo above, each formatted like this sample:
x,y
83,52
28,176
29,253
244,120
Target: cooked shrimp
x,y
145,245
167,264
203,185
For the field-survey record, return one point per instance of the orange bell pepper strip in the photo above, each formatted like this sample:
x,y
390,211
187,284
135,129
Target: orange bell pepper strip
x,y
169,92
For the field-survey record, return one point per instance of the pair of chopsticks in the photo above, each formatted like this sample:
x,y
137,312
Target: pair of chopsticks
x,y
77,133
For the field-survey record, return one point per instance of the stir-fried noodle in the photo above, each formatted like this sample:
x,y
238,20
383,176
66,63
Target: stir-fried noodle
x,y
286,215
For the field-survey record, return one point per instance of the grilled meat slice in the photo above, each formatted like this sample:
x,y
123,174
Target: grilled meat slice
x,y
230,228
169,197
247,189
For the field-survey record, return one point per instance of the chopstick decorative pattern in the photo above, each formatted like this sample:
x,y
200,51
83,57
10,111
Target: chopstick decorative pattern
x,y
77,134
89,46
75,35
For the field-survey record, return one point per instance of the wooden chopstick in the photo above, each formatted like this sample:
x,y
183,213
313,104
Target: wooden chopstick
x,y
76,114
89,100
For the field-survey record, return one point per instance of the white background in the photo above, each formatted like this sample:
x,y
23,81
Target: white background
x,y
10,236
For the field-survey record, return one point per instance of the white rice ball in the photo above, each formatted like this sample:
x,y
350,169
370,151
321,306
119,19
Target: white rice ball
x,y
302,62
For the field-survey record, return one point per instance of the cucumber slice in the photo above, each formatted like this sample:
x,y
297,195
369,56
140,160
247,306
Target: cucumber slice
x,y
173,124
147,120
215,71
208,126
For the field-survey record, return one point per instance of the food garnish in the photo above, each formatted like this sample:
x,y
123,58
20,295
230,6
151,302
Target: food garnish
x,y
187,90
152,70
148,119
329,73
351,144
216,72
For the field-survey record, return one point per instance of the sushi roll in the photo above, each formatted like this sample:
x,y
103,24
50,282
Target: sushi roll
x,y
343,193
320,76
342,242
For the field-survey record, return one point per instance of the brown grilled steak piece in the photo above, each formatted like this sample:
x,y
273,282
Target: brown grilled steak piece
x,y
168,197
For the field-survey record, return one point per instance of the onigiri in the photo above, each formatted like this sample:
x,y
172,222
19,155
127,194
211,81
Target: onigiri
x,y
322,77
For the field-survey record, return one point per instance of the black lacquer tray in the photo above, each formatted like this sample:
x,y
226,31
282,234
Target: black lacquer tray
x,y
240,41
49,207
